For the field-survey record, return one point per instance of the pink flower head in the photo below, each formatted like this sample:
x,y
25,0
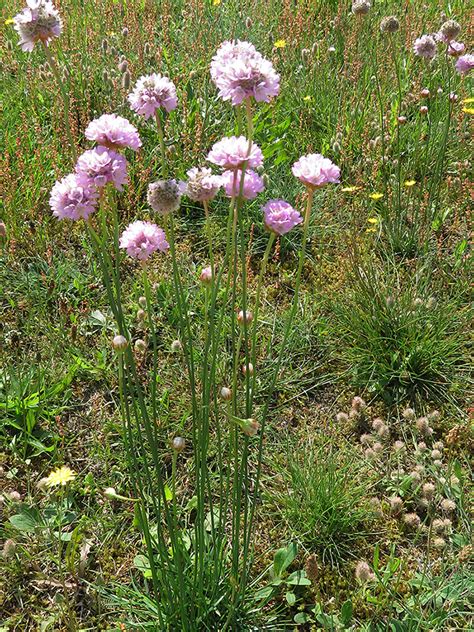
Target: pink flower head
x,y
240,72
455,49
39,21
202,185
101,166
72,199
316,171
253,184
232,152
141,239
465,64
425,46
113,132
280,217
151,93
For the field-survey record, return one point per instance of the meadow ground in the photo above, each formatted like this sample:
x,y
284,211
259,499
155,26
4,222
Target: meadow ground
x,y
352,507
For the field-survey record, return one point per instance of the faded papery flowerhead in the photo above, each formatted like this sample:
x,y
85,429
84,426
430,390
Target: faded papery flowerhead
x,y
449,31
363,572
164,196
142,239
39,21
202,185
240,72
280,217
113,132
389,24
425,46
72,199
101,166
232,152
465,64
151,93
314,170
253,184
361,7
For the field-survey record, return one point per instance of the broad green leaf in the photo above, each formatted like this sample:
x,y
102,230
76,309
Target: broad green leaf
x,y
290,598
28,520
283,558
346,612
298,578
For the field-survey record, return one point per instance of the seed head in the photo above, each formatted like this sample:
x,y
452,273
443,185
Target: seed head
x,y
358,403
361,7
363,572
377,423
408,414
428,490
449,31
226,393
124,31
141,315
448,505
311,568
389,24
142,301
342,417
140,346
396,505
176,346
164,196
412,520
366,439
178,444
436,455
422,425
119,343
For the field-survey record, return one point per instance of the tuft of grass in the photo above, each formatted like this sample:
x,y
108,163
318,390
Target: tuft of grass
x,y
324,502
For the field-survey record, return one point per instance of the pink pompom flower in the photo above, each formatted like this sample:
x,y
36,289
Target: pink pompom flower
x,y
280,217
425,46
113,132
232,152
253,184
101,166
315,171
152,92
141,239
465,64
202,185
39,21
240,72
455,49
72,199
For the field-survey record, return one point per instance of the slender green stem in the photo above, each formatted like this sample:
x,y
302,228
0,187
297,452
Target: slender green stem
x,y
159,125
65,96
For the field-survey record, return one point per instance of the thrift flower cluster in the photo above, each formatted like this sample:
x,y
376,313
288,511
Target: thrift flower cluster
x,y
37,22
152,93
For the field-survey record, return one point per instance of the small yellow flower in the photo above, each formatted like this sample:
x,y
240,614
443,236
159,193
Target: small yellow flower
x,y
409,183
468,100
281,43
373,220
216,3
468,110
61,476
308,97
9,21
376,196
370,230
350,189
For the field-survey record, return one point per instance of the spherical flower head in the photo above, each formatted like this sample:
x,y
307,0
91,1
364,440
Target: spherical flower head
x,y
152,92
113,132
60,477
456,49
39,21
315,171
101,166
72,199
164,196
363,572
448,505
425,46
465,64
361,7
253,184
142,239
202,185
412,520
449,31
119,343
240,72
389,24
232,152
280,217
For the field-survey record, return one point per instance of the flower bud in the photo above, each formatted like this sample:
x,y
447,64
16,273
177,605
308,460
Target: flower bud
x,y
248,22
142,302
140,346
110,493
401,120
244,317
425,93
3,229
141,314
176,346
424,109
250,367
206,276
226,393
250,427
126,80
178,444
119,343
124,31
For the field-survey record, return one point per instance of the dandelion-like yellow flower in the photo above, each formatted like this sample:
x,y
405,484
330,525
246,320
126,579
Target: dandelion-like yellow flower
x,y
468,100
376,196
308,97
370,230
468,110
409,183
61,476
350,189
281,43
9,21
373,220
216,3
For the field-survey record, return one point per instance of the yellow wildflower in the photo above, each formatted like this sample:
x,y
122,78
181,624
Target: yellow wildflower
x,y
9,21
281,43
373,220
370,230
61,476
216,3
308,97
468,100
468,110
376,196
409,183
350,189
